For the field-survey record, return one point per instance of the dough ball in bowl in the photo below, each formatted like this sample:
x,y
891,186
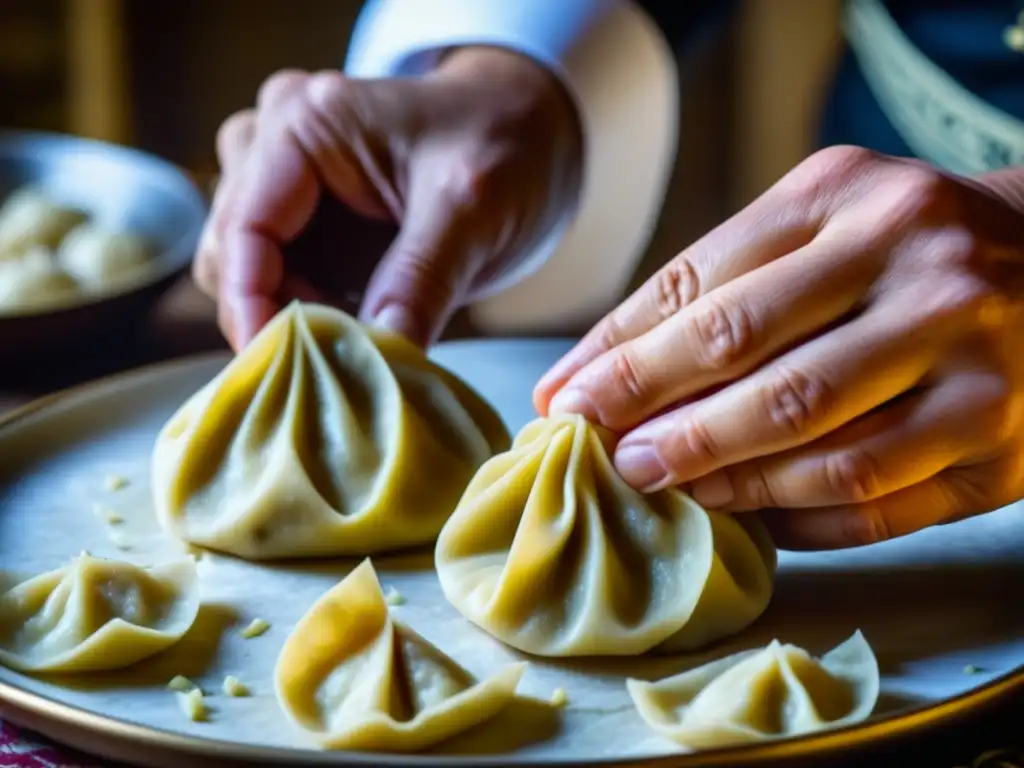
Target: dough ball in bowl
x,y
98,257
33,281
30,219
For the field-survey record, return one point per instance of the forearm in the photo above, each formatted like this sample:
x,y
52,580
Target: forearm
x,y
622,82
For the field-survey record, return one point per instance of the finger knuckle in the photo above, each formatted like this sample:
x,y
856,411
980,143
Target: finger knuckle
x,y
797,402
278,86
852,476
692,443
676,286
628,377
826,166
865,525
919,191
757,487
235,128
723,334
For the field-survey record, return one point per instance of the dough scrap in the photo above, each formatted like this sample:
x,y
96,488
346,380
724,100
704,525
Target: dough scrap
x,y
96,615
354,678
551,552
779,691
323,437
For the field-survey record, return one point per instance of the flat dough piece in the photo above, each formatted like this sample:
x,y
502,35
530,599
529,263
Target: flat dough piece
x,y
34,281
29,219
354,678
777,692
323,437
551,552
97,257
96,615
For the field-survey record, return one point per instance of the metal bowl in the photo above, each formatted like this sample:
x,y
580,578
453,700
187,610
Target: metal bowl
x,y
117,187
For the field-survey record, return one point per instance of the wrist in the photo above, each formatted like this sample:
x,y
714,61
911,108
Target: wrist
x,y
1007,184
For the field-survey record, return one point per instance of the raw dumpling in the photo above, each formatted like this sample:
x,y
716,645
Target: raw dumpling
x,y
323,437
97,257
777,692
354,678
29,219
96,615
552,553
34,281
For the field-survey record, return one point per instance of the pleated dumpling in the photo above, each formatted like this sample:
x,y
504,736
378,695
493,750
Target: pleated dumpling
x,y
323,437
354,678
777,692
551,552
96,615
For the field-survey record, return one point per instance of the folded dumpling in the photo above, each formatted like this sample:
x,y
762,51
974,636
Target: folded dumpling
x,y
551,552
354,678
29,219
94,615
777,692
99,257
34,281
323,437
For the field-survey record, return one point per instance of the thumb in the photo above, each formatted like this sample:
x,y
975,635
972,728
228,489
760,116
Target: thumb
x,y
429,268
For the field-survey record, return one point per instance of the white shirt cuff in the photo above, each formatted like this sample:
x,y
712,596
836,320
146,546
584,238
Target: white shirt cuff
x,y
621,75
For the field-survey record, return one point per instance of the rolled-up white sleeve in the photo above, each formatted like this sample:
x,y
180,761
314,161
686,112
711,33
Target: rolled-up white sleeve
x,y
622,78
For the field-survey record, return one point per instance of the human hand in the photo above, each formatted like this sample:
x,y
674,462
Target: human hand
x,y
474,163
845,352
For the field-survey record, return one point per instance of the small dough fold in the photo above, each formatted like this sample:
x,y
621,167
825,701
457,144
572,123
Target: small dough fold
x,y
96,615
779,691
551,552
323,437
354,678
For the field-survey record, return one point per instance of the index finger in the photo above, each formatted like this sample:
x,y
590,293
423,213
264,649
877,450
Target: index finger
x,y
275,201
760,233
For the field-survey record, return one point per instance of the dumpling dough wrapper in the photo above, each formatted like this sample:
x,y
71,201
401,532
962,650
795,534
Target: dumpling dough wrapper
x,y
780,691
551,552
96,615
322,437
354,678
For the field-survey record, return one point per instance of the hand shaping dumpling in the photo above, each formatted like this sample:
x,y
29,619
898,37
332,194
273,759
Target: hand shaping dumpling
x,y
97,257
776,692
552,553
354,678
96,615
34,281
28,219
323,437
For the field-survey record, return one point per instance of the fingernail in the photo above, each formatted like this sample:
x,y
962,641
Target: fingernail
x,y
640,467
572,401
714,490
396,319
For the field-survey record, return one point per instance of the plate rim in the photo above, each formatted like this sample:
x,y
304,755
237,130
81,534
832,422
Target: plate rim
x,y
63,722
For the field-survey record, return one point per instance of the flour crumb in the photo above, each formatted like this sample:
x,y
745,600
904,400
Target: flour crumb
x,y
192,705
559,698
181,684
393,597
116,482
234,687
256,628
